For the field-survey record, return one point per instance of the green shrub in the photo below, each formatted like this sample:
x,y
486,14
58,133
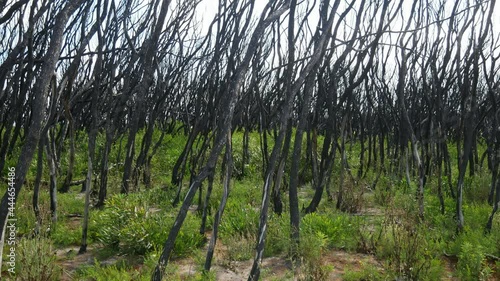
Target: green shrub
x,y
475,236
339,229
36,260
278,235
310,253
435,270
112,219
25,223
471,263
254,165
142,233
239,219
406,245
131,226
384,191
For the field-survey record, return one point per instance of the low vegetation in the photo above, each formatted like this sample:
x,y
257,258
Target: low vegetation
x,y
127,234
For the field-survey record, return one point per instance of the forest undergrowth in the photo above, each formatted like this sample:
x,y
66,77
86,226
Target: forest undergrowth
x,y
377,236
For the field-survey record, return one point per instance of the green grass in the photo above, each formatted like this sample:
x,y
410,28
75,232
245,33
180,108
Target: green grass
x,y
136,225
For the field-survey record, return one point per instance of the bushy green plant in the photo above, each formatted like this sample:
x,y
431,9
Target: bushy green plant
x,y
435,270
433,213
110,221
246,192
254,164
278,236
339,229
406,247
159,197
25,223
141,233
310,252
132,227
384,191
470,264
36,260
473,233
239,219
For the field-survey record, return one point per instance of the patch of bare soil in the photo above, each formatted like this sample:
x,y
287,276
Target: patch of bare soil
x,y
273,268
74,222
371,211
277,268
449,268
69,260
343,262
186,268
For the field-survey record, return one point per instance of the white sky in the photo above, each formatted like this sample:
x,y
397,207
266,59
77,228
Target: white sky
x,y
207,9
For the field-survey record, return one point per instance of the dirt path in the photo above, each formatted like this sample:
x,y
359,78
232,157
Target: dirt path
x,y
278,268
70,261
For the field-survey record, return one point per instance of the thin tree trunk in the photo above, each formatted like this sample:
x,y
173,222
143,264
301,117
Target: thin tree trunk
x,y
103,181
129,158
206,205
489,224
36,187
277,202
92,131
222,205
362,148
440,177
370,151
245,154
5,143
340,197
181,163
294,170
327,160
447,168
71,162
263,148
53,180
494,174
